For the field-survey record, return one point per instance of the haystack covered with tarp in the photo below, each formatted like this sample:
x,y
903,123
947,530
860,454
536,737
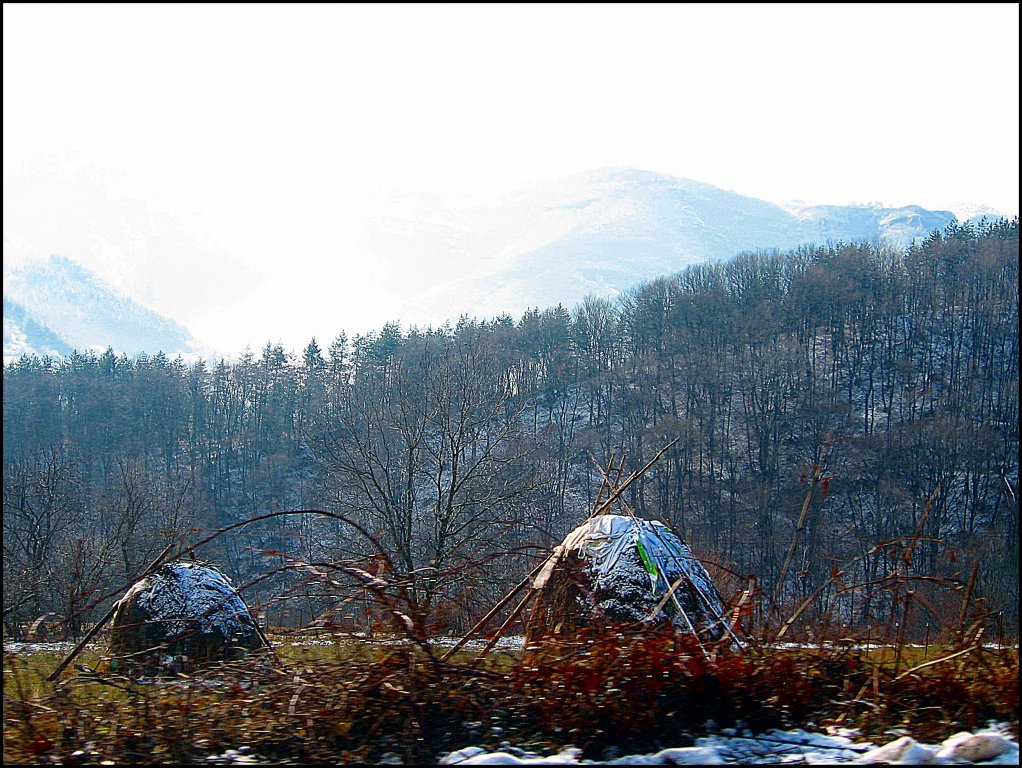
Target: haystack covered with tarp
x,y
616,569
183,613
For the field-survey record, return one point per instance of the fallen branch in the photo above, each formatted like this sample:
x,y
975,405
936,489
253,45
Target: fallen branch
x,y
937,661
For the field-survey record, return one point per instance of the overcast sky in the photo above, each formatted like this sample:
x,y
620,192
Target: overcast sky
x,y
248,127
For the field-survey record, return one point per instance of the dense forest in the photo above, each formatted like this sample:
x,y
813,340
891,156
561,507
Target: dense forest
x,y
819,404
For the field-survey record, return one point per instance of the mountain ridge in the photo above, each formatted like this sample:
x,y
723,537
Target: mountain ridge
x,y
599,232
56,304
611,228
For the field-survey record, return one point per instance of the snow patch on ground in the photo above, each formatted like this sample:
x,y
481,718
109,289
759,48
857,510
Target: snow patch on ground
x,y
991,746
20,647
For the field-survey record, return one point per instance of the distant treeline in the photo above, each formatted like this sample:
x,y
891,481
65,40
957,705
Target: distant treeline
x,y
871,376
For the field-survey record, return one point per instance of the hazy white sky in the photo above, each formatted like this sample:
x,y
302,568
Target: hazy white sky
x,y
262,130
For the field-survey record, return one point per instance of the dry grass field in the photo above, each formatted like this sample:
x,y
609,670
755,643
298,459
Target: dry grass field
x,y
348,699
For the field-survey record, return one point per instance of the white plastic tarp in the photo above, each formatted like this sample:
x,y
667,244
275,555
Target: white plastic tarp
x,y
602,541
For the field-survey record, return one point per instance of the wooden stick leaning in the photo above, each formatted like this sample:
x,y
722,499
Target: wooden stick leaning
x,y
493,611
606,480
815,479
507,623
631,479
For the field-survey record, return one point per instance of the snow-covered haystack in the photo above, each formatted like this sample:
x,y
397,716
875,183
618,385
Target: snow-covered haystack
x,y
183,612
621,569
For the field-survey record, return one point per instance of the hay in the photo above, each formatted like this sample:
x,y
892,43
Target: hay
x,y
183,614
563,606
597,578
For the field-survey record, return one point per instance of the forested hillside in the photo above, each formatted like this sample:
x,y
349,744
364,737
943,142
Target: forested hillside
x,y
878,379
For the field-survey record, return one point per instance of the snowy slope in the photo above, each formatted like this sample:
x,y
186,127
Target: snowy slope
x,y
897,226
24,335
79,310
416,258
602,232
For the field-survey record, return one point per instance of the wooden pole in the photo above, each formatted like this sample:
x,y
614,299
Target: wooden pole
x,y
966,600
492,612
620,470
604,483
632,478
507,623
817,472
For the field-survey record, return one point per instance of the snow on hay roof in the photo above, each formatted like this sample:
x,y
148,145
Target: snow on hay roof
x,y
195,591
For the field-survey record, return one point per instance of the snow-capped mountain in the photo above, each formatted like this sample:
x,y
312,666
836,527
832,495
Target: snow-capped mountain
x,y
52,306
24,335
602,232
420,261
